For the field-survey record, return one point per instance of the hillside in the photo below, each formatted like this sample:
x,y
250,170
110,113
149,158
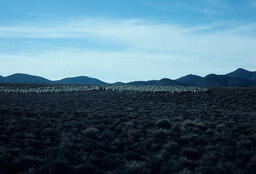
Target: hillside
x,y
237,78
243,74
25,78
84,80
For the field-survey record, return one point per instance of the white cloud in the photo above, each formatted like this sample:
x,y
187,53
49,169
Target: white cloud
x,y
152,50
253,3
107,65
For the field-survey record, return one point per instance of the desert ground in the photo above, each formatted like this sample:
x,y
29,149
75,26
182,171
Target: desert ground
x,y
128,132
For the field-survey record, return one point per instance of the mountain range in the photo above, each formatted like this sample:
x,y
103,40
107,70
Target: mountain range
x,y
237,78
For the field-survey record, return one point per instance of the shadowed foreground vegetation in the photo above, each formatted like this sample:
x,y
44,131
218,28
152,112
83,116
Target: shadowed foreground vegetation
x,y
115,132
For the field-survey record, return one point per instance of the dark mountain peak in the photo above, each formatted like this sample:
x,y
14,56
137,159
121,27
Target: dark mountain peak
x,y
239,77
194,80
17,75
164,81
243,74
25,78
119,83
241,70
225,80
81,80
189,77
211,75
2,79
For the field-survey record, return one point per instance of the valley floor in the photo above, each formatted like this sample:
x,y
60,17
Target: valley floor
x,y
115,132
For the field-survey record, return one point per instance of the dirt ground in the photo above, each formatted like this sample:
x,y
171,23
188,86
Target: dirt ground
x,y
113,132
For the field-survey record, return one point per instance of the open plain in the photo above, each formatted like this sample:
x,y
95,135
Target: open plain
x,y
99,131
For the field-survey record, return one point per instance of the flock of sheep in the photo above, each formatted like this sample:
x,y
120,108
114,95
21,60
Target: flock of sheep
x,y
82,88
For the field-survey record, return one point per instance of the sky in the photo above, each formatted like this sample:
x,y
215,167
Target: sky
x,y
117,40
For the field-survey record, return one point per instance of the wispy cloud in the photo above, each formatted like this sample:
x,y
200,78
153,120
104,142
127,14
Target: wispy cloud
x,y
138,33
151,50
253,3
203,7
107,65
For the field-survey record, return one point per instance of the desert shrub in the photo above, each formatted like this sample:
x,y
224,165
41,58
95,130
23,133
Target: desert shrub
x,y
160,135
173,165
176,129
226,167
176,119
206,170
209,132
23,164
188,123
108,162
246,143
85,168
129,124
107,134
210,158
133,133
136,167
156,162
91,132
220,127
183,140
155,147
90,145
185,171
190,139
148,124
57,166
191,154
49,132
187,163
171,147
131,155
201,126
252,164
243,156
163,123
5,162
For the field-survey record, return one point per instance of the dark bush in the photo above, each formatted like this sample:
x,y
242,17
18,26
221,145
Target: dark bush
x,y
131,155
171,147
163,123
191,154
189,123
202,126
23,164
57,166
91,132
252,164
136,167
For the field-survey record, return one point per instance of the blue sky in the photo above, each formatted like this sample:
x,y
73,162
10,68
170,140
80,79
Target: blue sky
x,y
118,40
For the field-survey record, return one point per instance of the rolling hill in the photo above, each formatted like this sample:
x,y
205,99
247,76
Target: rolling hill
x,y
194,80
224,80
2,79
163,81
237,78
243,74
83,80
25,78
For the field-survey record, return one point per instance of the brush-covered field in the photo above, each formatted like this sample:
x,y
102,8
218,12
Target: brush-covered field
x,y
128,132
